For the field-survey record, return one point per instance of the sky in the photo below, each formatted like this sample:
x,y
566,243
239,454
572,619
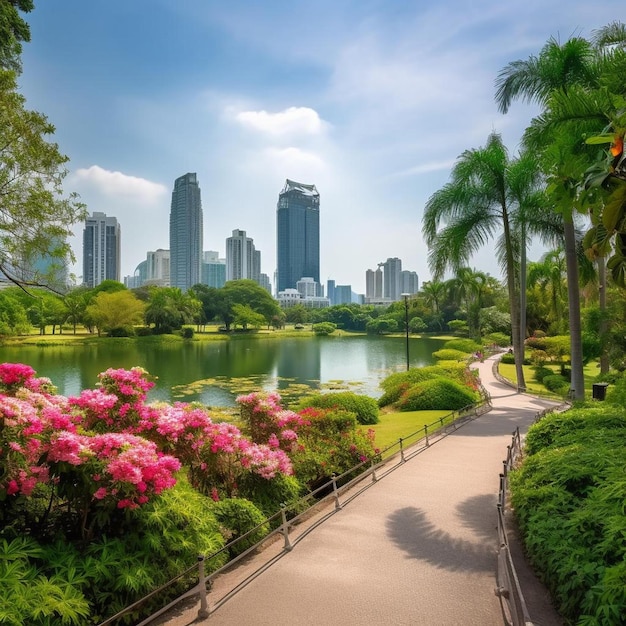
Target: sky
x,y
372,101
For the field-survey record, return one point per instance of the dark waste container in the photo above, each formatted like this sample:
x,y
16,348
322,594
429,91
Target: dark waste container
x,y
599,391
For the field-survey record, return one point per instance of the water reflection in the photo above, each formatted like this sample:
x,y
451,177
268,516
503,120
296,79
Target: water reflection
x,y
214,373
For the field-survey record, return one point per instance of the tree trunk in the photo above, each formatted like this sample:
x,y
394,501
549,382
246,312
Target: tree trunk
x,y
514,304
577,387
604,326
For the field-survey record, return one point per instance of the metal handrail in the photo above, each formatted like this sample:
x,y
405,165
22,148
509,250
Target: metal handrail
x,y
401,451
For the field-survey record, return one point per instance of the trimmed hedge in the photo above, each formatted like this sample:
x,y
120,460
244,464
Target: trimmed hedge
x,y
438,394
364,407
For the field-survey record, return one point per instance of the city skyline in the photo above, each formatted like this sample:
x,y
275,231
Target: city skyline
x,y
374,111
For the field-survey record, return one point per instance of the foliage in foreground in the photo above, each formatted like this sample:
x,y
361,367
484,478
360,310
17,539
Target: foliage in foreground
x,y
569,499
120,496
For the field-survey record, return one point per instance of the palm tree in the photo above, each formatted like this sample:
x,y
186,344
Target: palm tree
x,y
559,71
549,275
475,206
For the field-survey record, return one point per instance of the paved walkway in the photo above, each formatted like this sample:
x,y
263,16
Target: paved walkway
x,y
418,547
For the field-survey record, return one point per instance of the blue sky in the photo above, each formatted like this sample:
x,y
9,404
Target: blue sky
x,y
370,100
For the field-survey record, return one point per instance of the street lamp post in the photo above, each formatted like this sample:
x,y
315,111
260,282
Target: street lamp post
x,y
406,325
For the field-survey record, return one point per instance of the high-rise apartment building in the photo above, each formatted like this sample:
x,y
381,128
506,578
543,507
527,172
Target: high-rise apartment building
x,y
186,233
297,235
101,249
392,285
374,284
243,260
158,268
409,282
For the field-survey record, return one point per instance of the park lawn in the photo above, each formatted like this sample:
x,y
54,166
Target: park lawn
x,y
590,371
393,426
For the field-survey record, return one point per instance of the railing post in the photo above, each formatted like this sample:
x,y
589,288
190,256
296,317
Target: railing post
x,y
401,451
374,477
336,494
426,434
203,611
285,527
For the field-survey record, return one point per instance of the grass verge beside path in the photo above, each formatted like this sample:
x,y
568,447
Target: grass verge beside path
x,y
393,426
507,370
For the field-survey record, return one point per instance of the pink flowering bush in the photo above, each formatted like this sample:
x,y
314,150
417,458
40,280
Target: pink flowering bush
x,y
320,442
106,449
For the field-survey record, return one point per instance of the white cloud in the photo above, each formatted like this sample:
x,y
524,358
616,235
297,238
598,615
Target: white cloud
x,y
293,120
295,160
119,184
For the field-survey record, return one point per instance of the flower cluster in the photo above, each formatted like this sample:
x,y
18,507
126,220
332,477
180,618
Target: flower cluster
x,y
124,468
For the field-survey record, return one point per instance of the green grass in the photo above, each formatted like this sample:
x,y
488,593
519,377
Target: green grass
x,y
590,371
393,426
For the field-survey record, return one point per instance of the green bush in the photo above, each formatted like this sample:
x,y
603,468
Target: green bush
x,y
569,496
438,394
364,407
187,332
508,358
469,346
448,354
324,328
499,339
237,517
397,383
541,372
269,495
556,383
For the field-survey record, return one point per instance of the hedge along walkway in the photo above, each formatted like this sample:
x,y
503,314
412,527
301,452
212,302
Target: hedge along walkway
x,y
418,547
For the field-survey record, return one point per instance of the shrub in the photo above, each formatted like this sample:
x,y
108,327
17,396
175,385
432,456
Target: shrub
x,y
499,339
238,517
508,358
417,325
569,498
324,328
541,372
556,383
364,407
187,332
438,394
469,346
448,354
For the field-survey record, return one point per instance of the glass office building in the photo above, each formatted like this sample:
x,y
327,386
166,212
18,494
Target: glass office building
x,y
297,235
186,233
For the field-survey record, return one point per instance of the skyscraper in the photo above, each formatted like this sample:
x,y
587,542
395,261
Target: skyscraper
x,y
392,269
101,249
186,233
243,260
297,235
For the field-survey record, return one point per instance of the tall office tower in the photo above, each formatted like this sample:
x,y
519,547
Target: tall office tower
x,y
242,259
213,269
409,282
392,269
374,284
330,291
186,233
297,234
101,249
158,268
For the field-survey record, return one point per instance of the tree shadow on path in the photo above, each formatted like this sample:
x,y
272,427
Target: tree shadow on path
x,y
412,532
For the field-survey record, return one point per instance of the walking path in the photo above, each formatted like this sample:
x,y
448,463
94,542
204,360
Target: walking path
x,y
416,548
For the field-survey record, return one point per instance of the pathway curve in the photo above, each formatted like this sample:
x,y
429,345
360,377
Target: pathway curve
x,y
417,547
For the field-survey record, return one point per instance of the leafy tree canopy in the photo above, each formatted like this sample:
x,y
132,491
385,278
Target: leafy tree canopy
x,y
13,31
36,217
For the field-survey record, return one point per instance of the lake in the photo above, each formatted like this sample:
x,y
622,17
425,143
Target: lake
x,y
216,372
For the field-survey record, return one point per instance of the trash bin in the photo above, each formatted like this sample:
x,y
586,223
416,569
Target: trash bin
x,y
599,391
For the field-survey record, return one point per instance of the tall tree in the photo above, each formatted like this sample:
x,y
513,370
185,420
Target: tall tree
x,y
13,31
565,79
35,216
476,206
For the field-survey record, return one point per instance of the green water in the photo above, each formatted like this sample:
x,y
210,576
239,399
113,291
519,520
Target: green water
x,y
215,372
